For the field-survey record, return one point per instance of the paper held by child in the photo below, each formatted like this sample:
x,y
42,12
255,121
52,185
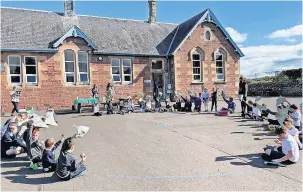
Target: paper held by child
x,y
49,118
261,107
81,130
274,163
258,98
280,100
282,114
38,122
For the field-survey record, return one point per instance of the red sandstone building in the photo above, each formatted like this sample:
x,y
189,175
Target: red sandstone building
x,y
55,57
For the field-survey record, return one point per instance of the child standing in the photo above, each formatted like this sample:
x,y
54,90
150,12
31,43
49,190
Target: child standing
x,y
68,165
205,96
48,157
34,146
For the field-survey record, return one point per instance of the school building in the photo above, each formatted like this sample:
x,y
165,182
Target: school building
x,y
57,57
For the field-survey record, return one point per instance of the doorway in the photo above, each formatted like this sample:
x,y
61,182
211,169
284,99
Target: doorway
x,y
158,83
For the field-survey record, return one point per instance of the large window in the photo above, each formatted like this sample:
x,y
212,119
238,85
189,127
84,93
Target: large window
x,y
69,61
220,66
197,71
14,63
121,70
83,67
31,69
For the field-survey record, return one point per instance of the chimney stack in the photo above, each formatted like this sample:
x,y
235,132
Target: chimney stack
x,y
152,11
69,8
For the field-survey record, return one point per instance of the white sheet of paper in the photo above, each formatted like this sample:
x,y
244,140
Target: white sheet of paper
x,y
81,130
240,96
49,118
282,114
280,100
258,98
261,107
39,123
182,104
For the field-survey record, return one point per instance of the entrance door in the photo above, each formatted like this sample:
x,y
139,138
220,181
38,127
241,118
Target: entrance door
x,y
158,79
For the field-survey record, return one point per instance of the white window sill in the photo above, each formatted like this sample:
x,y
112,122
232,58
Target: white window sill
x,y
197,82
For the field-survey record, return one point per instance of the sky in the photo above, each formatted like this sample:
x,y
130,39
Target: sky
x,y
268,33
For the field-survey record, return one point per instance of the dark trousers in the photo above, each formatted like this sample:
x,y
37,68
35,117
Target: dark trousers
x,y
78,172
276,155
243,105
273,122
214,103
198,108
15,104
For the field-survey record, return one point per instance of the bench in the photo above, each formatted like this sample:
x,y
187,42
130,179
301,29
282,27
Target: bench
x,y
84,102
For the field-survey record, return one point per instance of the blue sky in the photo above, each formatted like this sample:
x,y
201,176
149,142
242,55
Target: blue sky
x,y
269,33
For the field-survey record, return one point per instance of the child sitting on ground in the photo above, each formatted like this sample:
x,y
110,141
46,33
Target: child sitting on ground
x,y
48,157
288,153
288,124
34,146
10,145
130,106
231,105
295,115
168,104
68,166
97,111
197,102
256,113
177,105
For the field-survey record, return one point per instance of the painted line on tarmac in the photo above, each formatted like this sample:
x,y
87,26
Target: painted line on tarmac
x,y
202,176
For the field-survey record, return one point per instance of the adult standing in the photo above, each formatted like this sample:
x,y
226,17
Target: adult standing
x,y
110,94
243,88
15,98
95,91
214,99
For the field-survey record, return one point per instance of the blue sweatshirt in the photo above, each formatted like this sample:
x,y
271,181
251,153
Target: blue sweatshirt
x,y
230,104
197,101
48,157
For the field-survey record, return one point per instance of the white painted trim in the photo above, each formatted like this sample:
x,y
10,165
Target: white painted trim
x,y
87,72
111,70
191,31
8,71
74,73
36,65
131,71
192,66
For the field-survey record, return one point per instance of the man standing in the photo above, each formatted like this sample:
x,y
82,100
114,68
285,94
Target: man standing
x,y
243,88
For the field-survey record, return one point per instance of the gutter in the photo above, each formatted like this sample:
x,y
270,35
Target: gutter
x,y
29,50
128,54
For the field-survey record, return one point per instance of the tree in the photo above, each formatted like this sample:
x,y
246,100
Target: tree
x,y
293,74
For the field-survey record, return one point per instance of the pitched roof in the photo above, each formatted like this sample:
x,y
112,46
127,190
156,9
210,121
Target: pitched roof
x,y
33,30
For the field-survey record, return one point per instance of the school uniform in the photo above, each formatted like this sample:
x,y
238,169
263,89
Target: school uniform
x,y
34,148
296,116
9,141
49,159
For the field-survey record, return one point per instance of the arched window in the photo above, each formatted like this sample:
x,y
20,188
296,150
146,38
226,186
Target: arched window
x,y
197,69
207,35
220,66
69,65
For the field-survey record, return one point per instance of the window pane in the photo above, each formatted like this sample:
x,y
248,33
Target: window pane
x,y
156,64
220,76
13,60
207,35
83,77
83,67
196,63
82,56
30,69
219,57
69,66
14,69
219,63
70,78
31,79
219,70
126,62
116,62
127,78
116,70
15,79
196,57
116,78
69,55
196,77
196,71
30,61
126,70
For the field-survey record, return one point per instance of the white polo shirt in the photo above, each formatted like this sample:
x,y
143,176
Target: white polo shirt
x,y
290,144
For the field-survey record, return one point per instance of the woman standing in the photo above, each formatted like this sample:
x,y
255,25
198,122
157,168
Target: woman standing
x,y
95,91
15,98
110,94
214,99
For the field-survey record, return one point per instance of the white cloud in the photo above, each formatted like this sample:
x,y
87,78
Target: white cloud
x,y
236,36
267,58
286,33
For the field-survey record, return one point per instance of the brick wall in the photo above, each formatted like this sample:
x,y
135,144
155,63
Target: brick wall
x,y
183,63
51,88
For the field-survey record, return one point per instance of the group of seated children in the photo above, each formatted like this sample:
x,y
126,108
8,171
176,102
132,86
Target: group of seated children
x,y
288,151
21,136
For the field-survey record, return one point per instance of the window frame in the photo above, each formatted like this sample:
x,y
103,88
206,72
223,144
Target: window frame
x,y
26,75
65,73
223,66
155,60
79,73
207,32
192,63
9,70
111,68
131,71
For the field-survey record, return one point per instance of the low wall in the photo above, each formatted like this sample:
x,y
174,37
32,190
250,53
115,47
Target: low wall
x,y
290,89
